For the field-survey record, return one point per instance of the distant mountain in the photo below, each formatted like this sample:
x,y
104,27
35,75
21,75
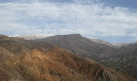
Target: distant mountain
x,y
115,45
80,45
102,42
118,45
45,62
33,37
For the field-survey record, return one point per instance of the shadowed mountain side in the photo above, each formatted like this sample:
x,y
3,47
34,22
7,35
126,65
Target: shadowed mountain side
x,y
5,54
79,45
125,60
13,46
3,36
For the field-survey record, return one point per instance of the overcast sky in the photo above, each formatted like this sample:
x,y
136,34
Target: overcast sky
x,y
111,20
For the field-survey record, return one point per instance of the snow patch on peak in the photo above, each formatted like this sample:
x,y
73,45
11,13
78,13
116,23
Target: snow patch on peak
x,y
34,36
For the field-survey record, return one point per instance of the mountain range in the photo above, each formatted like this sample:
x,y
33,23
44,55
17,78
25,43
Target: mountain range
x,y
34,60
115,45
121,57
33,37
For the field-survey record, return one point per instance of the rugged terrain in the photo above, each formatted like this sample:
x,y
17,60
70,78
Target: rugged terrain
x,y
23,60
120,58
125,60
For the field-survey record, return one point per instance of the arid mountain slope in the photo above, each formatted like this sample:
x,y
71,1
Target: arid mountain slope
x,y
57,64
7,73
45,62
122,59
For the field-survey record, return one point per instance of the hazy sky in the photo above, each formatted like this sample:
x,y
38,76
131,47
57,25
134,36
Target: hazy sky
x,y
110,20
